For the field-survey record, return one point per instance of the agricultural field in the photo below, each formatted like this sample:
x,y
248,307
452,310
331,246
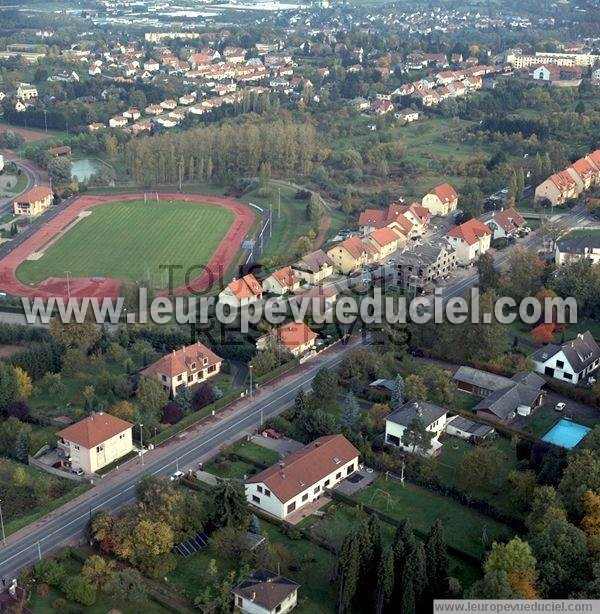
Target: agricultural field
x,y
131,240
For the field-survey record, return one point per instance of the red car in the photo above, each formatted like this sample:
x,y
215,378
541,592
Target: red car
x,y
272,433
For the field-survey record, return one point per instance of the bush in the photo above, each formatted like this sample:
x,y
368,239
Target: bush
x,y
172,413
50,571
18,409
204,395
60,603
77,589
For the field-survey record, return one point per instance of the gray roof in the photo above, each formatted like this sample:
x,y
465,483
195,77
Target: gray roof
x,y
529,378
265,588
580,352
313,262
424,254
481,379
428,412
504,402
470,426
578,244
389,384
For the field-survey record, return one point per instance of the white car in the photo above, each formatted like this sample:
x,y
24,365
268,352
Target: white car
x,y
177,476
560,406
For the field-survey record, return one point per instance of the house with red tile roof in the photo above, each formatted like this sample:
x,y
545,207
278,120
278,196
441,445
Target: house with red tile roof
x,y
584,173
442,200
188,366
469,240
95,441
34,201
281,282
296,337
241,292
385,241
412,220
303,476
558,189
504,223
351,255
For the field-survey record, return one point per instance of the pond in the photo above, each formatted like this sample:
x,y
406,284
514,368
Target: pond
x,y
84,168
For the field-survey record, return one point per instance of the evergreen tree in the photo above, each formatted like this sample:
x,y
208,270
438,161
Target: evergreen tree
x,y
402,545
325,385
436,555
385,581
22,445
539,167
397,399
300,404
184,399
520,183
350,414
348,572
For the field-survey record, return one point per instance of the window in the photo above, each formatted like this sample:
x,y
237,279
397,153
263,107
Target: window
x,y
240,602
267,492
350,469
560,364
255,499
338,476
304,497
326,483
76,447
568,376
278,608
259,488
99,448
317,489
291,507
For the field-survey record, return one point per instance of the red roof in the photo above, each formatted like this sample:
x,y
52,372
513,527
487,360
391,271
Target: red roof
x,y
378,218
286,277
384,236
181,361
39,192
509,219
583,168
445,192
595,157
300,470
94,430
245,287
471,231
563,181
354,246
294,335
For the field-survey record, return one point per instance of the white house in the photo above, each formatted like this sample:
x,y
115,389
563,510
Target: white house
x,y
241,292
573,361
281,282
469,240
302,477
25,91
265,592
434,419
571,249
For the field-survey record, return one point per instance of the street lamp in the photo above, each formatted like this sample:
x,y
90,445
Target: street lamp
x,y
2,523
142,442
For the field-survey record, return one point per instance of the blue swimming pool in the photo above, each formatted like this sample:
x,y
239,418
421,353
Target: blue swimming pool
x,y
566,433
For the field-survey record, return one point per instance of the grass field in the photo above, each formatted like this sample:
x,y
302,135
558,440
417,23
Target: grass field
x,y
466,529
131,240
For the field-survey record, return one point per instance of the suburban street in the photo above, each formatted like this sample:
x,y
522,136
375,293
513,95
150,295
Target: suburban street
x,y
184,452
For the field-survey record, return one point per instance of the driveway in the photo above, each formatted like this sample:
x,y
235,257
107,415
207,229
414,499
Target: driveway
x,y
283,447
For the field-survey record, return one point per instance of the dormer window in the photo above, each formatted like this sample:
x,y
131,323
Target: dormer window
x,y
193,366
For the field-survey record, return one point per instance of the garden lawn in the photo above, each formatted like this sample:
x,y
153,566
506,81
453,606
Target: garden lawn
x,y
255,453
131,240
465,528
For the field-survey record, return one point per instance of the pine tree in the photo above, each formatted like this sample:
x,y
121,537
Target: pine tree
x,y
22,445
300,404
520,183
397,399
436,555
401,547
385,581
539,167
350,414
184,399
348,570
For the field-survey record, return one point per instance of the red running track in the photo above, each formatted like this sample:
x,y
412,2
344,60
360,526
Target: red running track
x,y
107,287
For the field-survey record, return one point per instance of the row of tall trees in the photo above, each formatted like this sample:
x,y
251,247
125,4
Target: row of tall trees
x,y
405,577
222,152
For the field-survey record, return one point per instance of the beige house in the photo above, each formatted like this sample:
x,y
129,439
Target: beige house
x,y
281,282
303,476
313,268
241,292
351,255
95,441
441,200
34,201
190,365
469,240
296,337
557,189
386,241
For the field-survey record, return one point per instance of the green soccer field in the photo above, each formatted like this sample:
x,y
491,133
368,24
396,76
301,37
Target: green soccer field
x,y
130,240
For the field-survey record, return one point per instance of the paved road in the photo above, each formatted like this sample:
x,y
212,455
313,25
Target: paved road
x,y
33,177
25,546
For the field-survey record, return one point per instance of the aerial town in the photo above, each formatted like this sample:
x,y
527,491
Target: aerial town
x,y
299,306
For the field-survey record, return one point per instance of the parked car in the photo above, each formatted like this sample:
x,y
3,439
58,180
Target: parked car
x,y
177,476
560,406
272,433
78,471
